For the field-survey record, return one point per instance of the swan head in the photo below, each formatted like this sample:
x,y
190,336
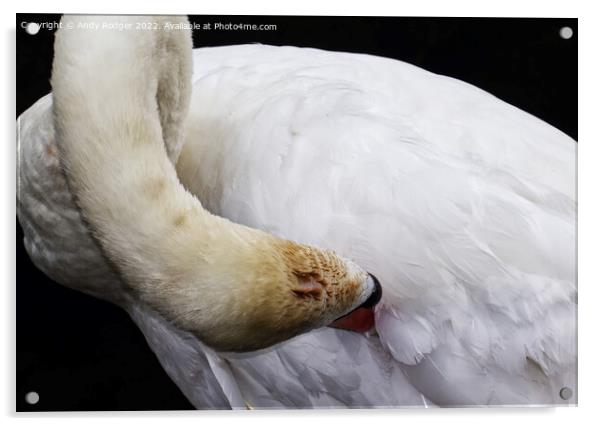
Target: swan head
x,y
279,289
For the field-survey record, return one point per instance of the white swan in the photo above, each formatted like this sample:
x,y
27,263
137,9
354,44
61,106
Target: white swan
x,y
464,205
236,288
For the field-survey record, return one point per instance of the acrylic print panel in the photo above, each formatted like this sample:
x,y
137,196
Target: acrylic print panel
x,y
436,154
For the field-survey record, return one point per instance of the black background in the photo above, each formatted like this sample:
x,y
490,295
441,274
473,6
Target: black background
x,y
80,353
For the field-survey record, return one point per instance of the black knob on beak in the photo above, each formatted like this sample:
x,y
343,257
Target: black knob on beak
x,y
375,296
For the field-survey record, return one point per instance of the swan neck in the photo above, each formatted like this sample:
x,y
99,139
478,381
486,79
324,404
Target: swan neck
x,y
119,100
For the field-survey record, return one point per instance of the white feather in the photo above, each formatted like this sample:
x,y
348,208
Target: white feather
x,y
461,204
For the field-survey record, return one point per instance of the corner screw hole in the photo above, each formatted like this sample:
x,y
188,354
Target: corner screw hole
x,y
566,32
566,393
32,398
32,28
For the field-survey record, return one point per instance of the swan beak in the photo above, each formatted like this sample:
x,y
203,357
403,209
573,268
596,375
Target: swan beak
x,y
361,319
375,296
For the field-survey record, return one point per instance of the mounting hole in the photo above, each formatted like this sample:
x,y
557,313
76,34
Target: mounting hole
x,y
32,398
566,32
32,28
566,393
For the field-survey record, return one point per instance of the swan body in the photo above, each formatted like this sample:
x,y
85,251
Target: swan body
x,y
463,204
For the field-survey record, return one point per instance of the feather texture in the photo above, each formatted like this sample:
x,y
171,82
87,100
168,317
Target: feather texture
x,y
463,205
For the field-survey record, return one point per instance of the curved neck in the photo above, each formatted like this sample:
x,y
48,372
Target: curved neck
x,y
119,100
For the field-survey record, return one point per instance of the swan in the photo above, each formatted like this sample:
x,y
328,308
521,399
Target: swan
x,y
236,288
462,204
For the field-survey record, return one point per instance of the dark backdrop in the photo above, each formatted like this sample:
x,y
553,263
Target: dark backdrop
x,y
79,353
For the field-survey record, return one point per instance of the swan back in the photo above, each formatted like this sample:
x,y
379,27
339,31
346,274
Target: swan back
x,y
463,204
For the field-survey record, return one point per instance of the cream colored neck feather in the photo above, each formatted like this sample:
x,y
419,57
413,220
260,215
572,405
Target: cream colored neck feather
x,y
120,98
113,91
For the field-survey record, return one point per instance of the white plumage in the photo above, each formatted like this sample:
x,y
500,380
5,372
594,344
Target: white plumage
x,y
463,205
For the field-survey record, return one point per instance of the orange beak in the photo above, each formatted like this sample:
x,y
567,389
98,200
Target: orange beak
x,y
361,319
